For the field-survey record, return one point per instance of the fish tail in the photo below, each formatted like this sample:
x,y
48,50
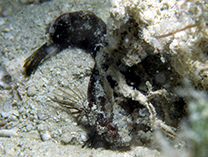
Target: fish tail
x,y
31,63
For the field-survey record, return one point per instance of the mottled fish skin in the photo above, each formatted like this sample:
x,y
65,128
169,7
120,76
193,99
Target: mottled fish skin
x,y
112,122
82,29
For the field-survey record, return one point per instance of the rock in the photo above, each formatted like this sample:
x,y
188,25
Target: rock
x,y
45,135
2,123
70,138
16,113
2,21
8,133
32,91
29,127
42,116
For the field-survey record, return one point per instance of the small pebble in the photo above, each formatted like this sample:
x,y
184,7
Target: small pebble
x,y
33,134
84,137
24,116
2,21
45,135
16,113
66,138
2,123
42,116
70,138
29,127
32,91
41,127
21,109
12,118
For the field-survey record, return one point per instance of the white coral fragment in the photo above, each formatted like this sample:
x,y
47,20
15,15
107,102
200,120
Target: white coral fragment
x,y
8,133
136,95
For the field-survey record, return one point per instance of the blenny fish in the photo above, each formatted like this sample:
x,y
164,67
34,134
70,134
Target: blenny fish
x,y
83,29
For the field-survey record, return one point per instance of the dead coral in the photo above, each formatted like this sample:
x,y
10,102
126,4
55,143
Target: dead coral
x,y
136,95
185,40
131,66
